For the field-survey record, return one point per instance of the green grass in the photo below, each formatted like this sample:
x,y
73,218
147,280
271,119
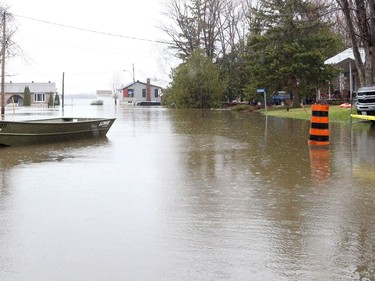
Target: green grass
x,y
336,114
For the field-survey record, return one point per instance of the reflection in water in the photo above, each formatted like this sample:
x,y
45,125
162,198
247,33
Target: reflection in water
x,y
264,174
24,155
190,195
364,140
320,169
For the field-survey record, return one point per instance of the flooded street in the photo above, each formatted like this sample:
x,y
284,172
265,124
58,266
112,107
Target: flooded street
x,y
189,195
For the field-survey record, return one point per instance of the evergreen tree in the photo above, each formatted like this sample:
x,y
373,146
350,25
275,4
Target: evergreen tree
x,y
50,100
196,84
57,100
232,69
289,53
26,97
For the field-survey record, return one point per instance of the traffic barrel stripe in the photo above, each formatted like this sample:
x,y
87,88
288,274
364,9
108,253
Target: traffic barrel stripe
x,y
319,125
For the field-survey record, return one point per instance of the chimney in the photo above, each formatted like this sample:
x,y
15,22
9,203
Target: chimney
x,y
148,90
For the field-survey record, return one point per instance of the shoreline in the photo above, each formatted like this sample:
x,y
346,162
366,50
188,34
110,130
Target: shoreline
x,y
336,113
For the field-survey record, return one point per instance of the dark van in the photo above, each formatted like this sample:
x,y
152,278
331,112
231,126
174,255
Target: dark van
x,y
281,98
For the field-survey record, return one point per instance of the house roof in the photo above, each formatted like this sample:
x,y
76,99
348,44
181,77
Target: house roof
x,y
344,58
34,87
138,82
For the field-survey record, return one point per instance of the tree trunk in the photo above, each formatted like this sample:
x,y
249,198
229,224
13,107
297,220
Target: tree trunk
x,y
345,7
372,40
360,20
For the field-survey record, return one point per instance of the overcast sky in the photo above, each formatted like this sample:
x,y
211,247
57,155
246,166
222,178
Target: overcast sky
x,y
90,60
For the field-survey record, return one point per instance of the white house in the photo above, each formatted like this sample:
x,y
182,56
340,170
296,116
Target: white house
x,y
137,92
345,62
40,92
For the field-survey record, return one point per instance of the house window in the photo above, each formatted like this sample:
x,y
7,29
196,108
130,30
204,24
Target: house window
x,y
143,93
39,97
156,93
131,93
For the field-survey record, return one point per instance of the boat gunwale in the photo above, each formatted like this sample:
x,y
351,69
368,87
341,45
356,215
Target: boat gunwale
x,y
57,120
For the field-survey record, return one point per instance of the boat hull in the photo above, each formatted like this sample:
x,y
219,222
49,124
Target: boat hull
x,y
15,133
97,102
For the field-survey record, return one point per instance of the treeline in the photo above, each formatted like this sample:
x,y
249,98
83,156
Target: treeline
x,y
229,48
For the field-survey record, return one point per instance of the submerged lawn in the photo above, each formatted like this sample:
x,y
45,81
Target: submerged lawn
x,y
336,113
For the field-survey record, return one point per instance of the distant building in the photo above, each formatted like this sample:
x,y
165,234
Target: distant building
x,y
141,92
104,93
40,92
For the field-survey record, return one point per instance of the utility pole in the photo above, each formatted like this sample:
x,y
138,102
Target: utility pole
x,y
3,68
133,83
62,92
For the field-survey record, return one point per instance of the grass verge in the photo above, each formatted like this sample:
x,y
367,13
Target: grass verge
x,y
336,113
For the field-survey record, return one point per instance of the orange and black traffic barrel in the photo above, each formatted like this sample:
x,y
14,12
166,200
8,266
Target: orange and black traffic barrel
x,y
319,129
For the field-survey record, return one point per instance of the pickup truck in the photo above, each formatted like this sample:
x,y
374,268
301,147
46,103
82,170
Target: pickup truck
x,y
365,104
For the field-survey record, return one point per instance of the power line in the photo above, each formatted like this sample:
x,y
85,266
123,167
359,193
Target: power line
x,y
94,31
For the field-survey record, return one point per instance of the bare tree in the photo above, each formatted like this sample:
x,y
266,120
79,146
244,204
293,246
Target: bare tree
x,y
215,26
210,27
12,49
116,86
183,29
360,21
233,27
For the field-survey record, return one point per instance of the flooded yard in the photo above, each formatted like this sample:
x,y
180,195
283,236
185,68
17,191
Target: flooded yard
x,y
189,195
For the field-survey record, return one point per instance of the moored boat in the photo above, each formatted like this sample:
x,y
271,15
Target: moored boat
x,y
97,102
15,133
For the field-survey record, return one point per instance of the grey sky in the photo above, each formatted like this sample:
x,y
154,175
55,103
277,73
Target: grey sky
x,y
90,60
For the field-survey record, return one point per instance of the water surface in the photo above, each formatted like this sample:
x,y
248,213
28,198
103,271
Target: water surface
x,y
189,195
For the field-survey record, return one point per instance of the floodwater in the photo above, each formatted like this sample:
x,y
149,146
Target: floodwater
x,y
189,195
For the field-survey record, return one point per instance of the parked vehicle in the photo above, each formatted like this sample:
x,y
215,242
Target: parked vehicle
x,y
281,98
365,104
97,102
